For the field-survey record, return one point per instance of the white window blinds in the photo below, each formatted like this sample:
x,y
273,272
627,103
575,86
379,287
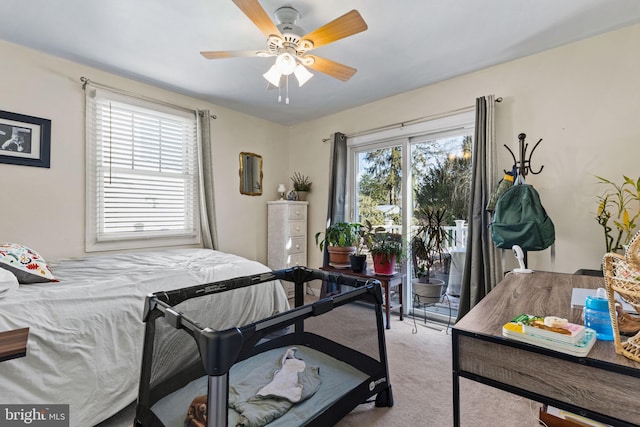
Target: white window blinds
x,y
142,183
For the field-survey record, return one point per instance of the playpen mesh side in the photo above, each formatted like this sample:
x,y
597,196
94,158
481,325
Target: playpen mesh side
x,y
173,355
352,325
175,360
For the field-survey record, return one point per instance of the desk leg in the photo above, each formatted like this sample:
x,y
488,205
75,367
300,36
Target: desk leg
x,y
456,380
456,400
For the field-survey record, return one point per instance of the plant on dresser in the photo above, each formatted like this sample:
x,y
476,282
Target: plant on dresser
x,y
301,185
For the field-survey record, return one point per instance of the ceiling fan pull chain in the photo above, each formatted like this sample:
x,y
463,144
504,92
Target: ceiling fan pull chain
x,y
287,101
279,96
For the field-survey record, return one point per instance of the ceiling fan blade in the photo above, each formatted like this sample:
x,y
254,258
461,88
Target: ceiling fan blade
x,y
347,25
257,14
331,68
220,54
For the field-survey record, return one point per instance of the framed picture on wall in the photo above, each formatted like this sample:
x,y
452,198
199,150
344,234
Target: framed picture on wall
x,y
24,140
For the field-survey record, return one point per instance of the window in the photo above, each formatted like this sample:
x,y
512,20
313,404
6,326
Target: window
x,y
142,173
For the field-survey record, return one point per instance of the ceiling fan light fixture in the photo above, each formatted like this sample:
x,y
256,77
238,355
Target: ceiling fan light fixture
x,y
273,76
286,63
302,74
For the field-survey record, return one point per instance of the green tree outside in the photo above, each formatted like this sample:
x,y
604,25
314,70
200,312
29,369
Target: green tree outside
x,y
439,179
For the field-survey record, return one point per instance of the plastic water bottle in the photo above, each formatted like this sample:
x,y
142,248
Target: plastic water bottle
x,y
596,315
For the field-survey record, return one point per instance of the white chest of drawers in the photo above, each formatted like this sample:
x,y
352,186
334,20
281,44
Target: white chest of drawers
x,y
286,236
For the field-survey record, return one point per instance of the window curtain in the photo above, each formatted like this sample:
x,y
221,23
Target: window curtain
x,y
205,166
337,184
483,269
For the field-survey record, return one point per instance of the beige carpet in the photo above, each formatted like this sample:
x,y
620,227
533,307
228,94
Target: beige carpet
x,y
421,379
420,374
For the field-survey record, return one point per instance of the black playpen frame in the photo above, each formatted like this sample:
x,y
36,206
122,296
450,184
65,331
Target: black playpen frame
x,y
219,350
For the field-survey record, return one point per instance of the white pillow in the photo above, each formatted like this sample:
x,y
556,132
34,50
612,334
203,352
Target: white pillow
x,y
8,282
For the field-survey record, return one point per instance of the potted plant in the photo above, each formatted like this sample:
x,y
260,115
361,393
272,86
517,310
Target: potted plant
x,y
619,208
340,240
366,232
386,250
301,185
428,253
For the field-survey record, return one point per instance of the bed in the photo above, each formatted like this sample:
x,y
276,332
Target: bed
x,y
86,330
336,347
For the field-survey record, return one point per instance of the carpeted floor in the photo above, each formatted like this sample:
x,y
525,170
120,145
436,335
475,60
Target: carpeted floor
x,y
420,374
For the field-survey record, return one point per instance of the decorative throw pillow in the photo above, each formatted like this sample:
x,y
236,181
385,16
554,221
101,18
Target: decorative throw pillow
x,y
8,282
25,264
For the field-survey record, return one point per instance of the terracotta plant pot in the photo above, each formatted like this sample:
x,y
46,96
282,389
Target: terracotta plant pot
x,y
339,256
384,264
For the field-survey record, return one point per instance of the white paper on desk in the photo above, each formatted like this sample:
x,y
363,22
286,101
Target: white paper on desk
x,y
579,296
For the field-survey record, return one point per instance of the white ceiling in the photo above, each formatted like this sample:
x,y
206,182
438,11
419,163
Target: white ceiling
x,y
409,43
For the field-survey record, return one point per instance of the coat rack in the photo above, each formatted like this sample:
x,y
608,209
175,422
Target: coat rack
x,y
523,165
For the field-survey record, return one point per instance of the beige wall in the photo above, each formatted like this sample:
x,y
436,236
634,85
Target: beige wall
x,y
583,99
44,208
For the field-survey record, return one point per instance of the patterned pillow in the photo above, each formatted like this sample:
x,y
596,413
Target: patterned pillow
x,y
25,264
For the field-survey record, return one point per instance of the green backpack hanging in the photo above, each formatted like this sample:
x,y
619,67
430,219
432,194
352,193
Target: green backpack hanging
x,y
519,219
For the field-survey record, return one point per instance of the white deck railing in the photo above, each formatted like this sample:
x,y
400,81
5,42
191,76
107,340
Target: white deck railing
x,y
457,234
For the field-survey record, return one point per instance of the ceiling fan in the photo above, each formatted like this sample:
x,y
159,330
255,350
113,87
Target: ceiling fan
x,y
291,46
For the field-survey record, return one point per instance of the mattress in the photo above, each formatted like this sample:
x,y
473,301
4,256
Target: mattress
x,y
337,378
86,331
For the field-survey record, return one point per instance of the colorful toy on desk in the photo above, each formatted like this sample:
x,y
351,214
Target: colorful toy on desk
x,y
551,332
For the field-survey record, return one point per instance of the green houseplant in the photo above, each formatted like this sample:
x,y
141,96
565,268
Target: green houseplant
x,y
428,253
340,239
358,259
366,233
301,185
386,250
618,211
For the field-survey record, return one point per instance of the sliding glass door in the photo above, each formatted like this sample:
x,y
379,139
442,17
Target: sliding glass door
x,y
441,185
394,181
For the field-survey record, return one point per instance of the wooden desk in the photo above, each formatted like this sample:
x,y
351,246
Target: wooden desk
x,y
602,386
387,282
13,344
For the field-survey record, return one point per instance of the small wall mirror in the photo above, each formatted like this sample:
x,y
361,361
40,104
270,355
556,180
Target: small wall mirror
x,y
250,174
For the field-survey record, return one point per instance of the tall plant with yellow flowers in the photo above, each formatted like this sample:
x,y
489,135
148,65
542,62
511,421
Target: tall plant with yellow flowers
x,y
618,211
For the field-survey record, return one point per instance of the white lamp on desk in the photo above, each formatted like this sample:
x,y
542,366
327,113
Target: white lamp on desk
x,y
517,251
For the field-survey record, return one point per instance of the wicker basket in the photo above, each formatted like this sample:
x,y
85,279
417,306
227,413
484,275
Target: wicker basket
x,y
622,275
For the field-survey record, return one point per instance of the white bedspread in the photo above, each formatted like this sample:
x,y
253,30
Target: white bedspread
x,y
86,331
